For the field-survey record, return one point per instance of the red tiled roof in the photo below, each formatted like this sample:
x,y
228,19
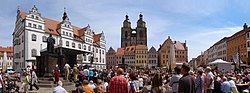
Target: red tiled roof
x,y
51,26
6,49
141,47
179,46
120,51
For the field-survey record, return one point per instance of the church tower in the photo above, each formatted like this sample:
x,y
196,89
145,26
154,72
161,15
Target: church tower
x,y
141,31
131,37
126,32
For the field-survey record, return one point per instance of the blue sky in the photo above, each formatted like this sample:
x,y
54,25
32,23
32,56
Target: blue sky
x,y
200,22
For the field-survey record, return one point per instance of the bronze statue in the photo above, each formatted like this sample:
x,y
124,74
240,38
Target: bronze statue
x,y
50,44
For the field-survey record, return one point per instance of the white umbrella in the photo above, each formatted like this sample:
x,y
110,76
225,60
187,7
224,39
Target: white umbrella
x,y
218,61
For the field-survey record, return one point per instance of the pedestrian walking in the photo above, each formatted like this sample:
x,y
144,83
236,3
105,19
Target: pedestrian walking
x,y
34,80
56,74
75,73
66,71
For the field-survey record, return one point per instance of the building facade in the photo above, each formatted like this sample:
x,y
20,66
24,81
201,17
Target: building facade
x,y
172,53
141,56
119,55
111,58
31,32
129,53
218,50
132,37
152,58
236,46
8,52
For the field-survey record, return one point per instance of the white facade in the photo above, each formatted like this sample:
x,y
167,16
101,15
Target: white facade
x,y
32,30
218,51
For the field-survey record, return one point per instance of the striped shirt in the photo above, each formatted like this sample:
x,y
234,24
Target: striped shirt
x,y
118,84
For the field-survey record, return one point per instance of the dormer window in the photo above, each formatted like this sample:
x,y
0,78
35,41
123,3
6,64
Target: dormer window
x,y
37,18
51,30
70,34
66,33
63,32
32,16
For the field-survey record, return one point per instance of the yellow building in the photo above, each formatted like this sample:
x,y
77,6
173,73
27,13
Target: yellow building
x,y
141,56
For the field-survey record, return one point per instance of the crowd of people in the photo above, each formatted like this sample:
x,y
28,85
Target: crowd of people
x,y
183,80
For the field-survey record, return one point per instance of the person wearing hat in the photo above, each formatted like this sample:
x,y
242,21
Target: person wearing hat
x,y
186,82
209,80
199,81
174,81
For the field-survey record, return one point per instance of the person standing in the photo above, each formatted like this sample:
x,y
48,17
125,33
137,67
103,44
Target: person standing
x,y
33,80
75,73
26,82
225,85
86,74
118,84
174,81
66,71
186,82
157,84
59,88
56,74
91,74
199,81
2,85
88,89
209,80
100,87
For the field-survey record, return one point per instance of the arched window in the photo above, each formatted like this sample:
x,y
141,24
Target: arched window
x,y
73,45
126,33
44,39
67,43
84,47
89,48
33,52
33,37
32,16
79,46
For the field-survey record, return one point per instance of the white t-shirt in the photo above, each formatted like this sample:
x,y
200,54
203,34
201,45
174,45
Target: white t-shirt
x,y
232,83
140,82
210,76
59,89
